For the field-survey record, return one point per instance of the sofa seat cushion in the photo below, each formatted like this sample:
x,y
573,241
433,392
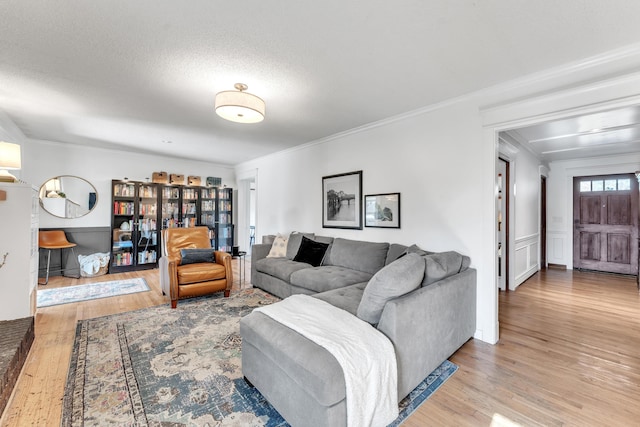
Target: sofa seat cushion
x,y
200,272
326,278
282,268
314,369
347,298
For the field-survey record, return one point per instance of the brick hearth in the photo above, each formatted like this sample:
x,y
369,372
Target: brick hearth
x,y
16,337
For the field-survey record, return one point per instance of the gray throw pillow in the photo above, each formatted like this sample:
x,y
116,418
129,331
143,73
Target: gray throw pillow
x,y
396,279
415,249
441,265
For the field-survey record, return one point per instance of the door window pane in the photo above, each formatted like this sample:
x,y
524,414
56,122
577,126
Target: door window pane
x,y
596,185
610,185
624,184
585,186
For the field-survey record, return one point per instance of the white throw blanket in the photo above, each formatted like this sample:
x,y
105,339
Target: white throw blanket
x,y
366,356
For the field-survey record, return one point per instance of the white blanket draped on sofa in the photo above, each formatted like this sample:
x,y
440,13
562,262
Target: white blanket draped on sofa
x,y
366,356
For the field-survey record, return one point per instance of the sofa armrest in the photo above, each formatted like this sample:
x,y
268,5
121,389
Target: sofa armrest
x,y
224,258
258,252
428,325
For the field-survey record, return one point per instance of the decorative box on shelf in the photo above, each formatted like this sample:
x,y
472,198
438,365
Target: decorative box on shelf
x,y
160,177
194,180
175,178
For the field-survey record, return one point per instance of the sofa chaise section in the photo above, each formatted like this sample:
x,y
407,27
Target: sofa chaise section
x,y
304,382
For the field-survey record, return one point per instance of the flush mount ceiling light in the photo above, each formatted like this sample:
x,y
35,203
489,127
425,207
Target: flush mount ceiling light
x,y
239,106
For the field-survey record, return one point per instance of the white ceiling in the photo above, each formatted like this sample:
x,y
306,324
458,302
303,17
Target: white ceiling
x,y
598,134
141,75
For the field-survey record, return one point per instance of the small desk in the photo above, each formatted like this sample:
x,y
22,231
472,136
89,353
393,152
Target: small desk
x,y
242,264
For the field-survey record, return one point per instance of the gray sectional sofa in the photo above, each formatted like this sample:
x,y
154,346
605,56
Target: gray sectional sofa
x,y
302,380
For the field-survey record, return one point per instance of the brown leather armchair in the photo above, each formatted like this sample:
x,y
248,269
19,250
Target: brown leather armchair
x,y
190,280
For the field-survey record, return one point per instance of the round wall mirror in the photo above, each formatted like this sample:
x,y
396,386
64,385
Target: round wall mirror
x,y
67,196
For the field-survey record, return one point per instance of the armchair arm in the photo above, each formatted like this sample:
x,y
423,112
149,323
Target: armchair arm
x,y
169,276
224,258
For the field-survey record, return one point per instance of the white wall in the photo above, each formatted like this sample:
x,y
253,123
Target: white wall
x,y
432,159
560,199
43,160
443,161
405,156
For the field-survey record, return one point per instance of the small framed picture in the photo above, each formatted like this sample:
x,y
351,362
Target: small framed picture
x,y
342,200
382,210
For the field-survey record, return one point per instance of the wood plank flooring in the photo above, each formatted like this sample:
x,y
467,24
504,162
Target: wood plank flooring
x,y
568,355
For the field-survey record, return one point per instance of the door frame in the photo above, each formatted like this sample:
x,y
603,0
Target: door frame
x,y
635,227
506,185
543,222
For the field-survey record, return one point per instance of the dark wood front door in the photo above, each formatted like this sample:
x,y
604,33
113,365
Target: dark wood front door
x,y
605,223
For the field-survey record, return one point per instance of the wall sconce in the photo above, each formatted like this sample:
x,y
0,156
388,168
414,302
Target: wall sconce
x,y
9,160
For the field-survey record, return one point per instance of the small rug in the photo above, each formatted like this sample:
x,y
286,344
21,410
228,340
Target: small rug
x,y
68,294
181,367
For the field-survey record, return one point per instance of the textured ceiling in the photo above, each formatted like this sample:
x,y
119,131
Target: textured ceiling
x,y
141,75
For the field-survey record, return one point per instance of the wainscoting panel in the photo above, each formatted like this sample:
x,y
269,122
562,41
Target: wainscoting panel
x,y
527,261
556,248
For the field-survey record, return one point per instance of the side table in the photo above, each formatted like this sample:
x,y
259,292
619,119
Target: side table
x,y
242,264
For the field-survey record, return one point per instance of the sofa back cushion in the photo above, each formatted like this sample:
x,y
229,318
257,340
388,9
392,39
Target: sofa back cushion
x,y
396,250
441,265
268,239
394,280
368,257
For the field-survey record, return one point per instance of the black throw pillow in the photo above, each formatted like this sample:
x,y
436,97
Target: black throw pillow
x,y
311,252
192,256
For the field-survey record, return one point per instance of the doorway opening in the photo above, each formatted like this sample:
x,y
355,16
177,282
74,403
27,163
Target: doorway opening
x,y
247,209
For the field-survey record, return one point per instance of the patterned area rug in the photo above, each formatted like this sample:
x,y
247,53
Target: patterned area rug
x,y
68,294
164,367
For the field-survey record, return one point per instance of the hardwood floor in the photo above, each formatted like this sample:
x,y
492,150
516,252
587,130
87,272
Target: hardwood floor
x,y
569,354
